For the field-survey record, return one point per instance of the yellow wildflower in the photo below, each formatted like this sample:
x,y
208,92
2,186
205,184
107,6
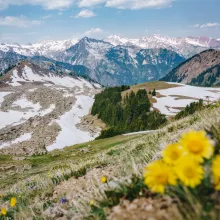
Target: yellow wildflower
x,y
216,172
197,145
3,211
91,203
103,179
157,175
172,153
189,171
13,202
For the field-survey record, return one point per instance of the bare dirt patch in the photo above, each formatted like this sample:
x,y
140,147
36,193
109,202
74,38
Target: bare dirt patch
x,y
92,124
163,208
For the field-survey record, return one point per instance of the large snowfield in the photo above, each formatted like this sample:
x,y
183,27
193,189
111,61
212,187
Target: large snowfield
x,y
70,134
183,95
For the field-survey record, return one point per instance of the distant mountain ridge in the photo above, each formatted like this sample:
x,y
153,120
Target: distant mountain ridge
x,y
185,46
107,64
113,61
202,70
44,48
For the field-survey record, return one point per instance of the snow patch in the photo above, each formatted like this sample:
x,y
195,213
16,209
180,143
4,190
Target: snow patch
x,y
2,96
16,117
70,134
24,103
32,90
139,132
167,105
22,138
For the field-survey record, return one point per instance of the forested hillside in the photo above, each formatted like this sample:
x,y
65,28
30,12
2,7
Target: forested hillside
x,y
210,77
130,114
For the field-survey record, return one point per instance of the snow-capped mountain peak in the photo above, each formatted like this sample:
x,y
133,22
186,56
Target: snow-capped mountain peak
x,y
44,48
185,46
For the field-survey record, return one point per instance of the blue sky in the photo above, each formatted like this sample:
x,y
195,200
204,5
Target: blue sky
x,y
29,21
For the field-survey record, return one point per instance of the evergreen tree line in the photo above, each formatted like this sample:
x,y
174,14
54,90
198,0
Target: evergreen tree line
x,y
128,115
190,109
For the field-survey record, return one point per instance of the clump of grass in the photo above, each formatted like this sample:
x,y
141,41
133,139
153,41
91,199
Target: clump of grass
x,y
130,189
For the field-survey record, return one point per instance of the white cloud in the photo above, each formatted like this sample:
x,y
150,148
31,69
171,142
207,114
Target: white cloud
x,y
138,4
62,4
47,4
89,3
85,13
46,16
210,25
127,4
195,26
18,21
94,32
207,25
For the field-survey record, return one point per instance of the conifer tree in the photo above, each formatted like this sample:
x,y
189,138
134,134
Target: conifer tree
x,y
154,93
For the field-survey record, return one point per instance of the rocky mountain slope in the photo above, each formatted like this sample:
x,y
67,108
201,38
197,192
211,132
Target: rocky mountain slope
x,y
107,64
40,110
120,65
202,69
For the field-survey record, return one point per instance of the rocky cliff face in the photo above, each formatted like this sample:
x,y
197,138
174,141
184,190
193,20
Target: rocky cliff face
x,y
202,69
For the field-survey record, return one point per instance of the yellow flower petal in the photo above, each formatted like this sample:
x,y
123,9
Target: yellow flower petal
x,y
189,172
4,211
91,203
216,172
197,145
103,179
172,153
13,202
158,175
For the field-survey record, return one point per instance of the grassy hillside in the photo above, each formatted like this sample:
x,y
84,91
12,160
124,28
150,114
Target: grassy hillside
x,y
68,181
